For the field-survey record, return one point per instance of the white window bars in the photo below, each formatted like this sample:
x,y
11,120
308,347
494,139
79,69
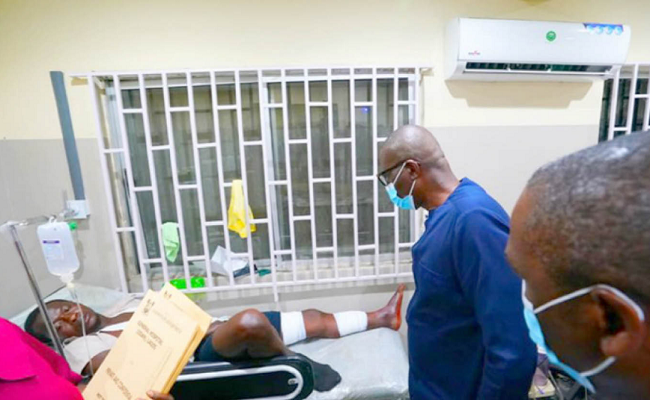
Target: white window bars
x,y
626,101
304,142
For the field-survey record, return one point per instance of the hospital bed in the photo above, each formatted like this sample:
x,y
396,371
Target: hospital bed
x,y
372,364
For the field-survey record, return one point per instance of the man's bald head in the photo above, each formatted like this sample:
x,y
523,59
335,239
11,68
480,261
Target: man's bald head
x,y
411,142
589,218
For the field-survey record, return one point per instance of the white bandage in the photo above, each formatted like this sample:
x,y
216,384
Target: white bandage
x,y
350,322
293,327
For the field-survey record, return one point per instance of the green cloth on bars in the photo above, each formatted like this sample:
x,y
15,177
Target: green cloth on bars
x,y
171,241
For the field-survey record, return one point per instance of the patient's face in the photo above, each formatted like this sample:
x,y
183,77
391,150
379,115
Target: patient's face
x,y
66,318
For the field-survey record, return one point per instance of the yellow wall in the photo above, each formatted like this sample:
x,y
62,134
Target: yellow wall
x,y
82,35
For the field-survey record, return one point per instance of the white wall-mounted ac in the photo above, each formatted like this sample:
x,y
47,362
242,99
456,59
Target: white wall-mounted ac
x,y
494,49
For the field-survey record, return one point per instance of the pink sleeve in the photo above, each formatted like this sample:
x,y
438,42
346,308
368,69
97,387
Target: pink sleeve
x,y
58,363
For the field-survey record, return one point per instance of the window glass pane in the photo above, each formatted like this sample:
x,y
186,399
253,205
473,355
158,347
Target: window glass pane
x,y
297,120
405,226
367,262
138,149
300,179
154,276
165,183
148,221
405,115
639,113
131,98
229,137
192,222
385,205
178,96
386,235
215,238
365,213
226,95
317,72
107,109
345,239
323,209
275,93
642,86
203,114
303,240
403,93
320,142
277,143
255,181
210,180
157,120
130,258
343,171
119,189
251,112
364,142
341,108
260,242
363,90
282,217
237,244
318,91
385,111
183,147
405,260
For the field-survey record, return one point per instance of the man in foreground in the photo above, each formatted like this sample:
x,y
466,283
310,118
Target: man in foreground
x,y
581,242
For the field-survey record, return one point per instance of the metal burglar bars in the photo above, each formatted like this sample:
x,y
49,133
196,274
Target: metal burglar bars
x,y
305,144
626,102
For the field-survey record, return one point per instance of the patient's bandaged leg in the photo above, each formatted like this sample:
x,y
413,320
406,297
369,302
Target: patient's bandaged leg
x,y
293,327
350,322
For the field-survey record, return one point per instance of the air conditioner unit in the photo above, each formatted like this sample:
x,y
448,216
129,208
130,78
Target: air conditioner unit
x,y
494,49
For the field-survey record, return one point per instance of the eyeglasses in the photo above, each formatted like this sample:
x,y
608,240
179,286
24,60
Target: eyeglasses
x,y
382,175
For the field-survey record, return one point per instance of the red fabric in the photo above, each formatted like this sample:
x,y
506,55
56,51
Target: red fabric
x,y
30,370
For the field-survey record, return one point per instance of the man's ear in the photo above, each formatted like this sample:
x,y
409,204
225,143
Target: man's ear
x,y
623,329
414,169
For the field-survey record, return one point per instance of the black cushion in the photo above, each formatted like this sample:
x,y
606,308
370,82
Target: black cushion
x,y
210,386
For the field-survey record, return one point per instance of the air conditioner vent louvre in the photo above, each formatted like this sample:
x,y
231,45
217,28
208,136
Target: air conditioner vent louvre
x,y
551,68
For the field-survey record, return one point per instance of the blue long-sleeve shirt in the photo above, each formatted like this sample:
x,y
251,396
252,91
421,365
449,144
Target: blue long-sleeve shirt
x,y
466,334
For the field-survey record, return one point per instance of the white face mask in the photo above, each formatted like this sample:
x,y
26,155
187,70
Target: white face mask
x,y
536,334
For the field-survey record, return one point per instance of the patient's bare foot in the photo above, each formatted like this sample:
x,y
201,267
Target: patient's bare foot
x,y
389,316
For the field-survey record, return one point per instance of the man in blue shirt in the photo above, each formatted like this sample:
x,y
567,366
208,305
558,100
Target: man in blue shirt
x,y
466,333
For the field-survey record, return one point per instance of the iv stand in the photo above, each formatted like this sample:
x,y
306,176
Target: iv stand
x,y
11,227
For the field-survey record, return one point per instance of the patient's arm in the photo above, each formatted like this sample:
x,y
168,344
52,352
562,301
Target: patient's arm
x,y
96,362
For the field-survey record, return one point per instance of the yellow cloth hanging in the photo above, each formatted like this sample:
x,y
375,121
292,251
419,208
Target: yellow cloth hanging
x,y
236,216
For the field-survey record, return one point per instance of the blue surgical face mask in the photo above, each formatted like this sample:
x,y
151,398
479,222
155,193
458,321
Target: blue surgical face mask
x,y
405,203
535,331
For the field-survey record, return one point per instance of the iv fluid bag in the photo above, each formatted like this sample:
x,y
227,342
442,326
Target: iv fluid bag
x,y
58,248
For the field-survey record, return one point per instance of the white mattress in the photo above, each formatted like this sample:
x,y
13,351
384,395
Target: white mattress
x,y
373,364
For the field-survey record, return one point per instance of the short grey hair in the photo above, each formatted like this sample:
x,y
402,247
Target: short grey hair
x,y
590,216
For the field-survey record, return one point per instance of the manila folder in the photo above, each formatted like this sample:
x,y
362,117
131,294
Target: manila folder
x,y
151,351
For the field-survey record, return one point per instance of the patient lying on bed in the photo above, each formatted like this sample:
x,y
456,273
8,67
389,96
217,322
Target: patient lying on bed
x,y
248,334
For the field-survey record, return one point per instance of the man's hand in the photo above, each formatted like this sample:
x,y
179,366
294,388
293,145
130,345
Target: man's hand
x,y
158,396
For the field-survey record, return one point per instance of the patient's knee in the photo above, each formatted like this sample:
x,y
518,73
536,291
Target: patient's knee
x,y
252,325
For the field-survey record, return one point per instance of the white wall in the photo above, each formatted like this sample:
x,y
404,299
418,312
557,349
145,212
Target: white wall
x,y
495,133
